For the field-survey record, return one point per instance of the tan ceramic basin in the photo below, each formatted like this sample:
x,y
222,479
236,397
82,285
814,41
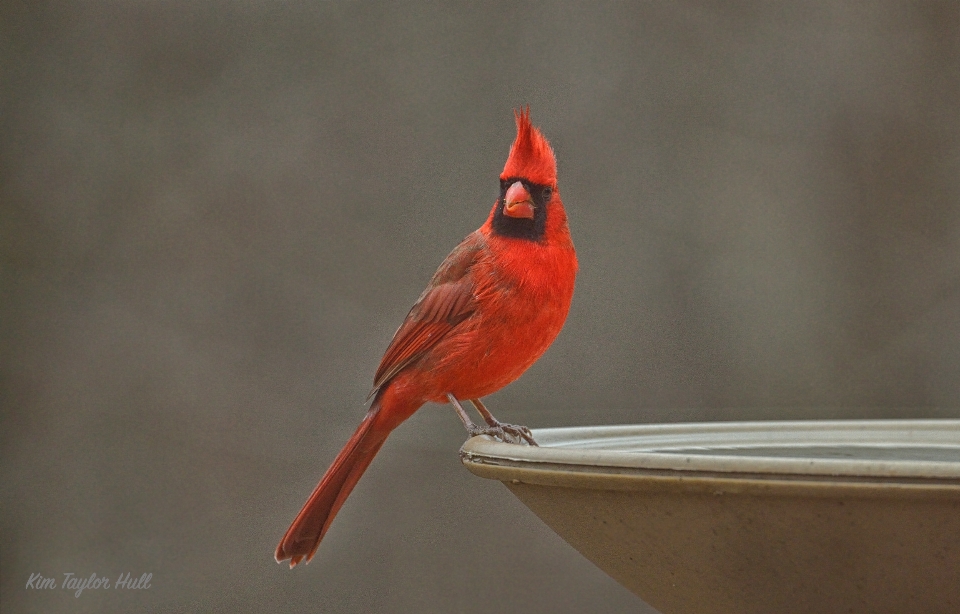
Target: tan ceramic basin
x,y
766,517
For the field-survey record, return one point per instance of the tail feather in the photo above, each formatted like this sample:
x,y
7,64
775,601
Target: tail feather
x,y
311,524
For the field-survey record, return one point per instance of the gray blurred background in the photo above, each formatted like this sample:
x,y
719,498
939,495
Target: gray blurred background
x,y
214,216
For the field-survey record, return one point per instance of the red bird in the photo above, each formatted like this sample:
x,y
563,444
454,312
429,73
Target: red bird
x,y
490,311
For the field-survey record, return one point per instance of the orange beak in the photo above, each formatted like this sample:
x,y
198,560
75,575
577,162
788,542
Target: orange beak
x,y
517,202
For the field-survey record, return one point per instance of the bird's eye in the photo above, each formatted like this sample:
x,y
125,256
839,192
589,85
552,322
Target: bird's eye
x,y
546,194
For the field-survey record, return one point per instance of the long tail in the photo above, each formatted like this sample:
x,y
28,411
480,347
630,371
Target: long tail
x,y
311,524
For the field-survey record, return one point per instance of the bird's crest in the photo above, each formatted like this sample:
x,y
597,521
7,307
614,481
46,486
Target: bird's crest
x,y
531,156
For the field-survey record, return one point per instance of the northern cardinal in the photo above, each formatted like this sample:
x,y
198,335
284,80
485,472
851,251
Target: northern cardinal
x,y
492,308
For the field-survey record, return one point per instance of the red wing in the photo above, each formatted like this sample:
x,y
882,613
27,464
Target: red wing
x,y
446,302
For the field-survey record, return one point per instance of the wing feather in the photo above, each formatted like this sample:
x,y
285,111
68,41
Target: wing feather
x,y
447,301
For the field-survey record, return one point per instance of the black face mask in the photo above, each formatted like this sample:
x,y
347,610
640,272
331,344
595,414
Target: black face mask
x,y
523,228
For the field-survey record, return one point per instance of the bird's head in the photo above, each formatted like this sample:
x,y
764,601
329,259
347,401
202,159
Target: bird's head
x,y
528,184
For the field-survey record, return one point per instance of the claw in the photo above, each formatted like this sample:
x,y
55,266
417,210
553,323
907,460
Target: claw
x,y
507,433
520,431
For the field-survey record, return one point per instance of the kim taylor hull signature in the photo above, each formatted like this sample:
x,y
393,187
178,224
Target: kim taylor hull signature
x,y
75,583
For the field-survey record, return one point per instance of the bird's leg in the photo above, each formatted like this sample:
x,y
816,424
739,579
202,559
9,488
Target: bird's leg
x,y
473,429
468,424
516,430
494,430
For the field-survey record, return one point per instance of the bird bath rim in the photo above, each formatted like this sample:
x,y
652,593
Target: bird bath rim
x,y
824,450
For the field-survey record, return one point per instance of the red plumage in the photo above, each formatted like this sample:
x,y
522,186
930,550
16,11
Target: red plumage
x,y
531,156
490,311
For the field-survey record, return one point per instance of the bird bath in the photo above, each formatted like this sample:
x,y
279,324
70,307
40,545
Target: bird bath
x,y
741,517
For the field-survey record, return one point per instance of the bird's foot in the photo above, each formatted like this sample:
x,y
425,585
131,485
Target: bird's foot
x,y
507,433
520,432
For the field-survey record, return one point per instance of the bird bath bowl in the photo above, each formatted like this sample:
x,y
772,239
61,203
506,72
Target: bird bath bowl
x,y
742,517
